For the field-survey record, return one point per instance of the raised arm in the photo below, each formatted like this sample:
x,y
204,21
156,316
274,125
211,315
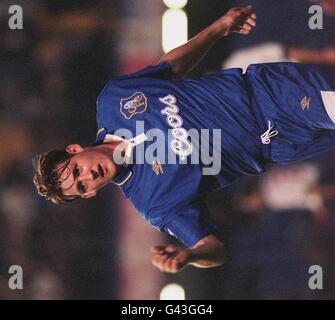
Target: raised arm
x,y
206,253
187,56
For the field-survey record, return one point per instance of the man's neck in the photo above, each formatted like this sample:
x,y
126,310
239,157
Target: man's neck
x,y
116,151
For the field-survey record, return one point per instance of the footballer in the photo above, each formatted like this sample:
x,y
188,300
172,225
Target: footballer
x,y
274,113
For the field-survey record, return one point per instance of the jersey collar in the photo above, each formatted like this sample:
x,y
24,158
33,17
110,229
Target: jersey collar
x,y
125,172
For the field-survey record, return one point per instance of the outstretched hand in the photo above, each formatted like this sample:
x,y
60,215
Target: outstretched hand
x,y
185,57
240,20
170,258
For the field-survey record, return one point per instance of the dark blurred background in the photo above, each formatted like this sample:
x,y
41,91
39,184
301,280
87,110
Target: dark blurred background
x,y
51,73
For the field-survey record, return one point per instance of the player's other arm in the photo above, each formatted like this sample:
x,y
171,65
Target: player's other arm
x,y
187,56
206,253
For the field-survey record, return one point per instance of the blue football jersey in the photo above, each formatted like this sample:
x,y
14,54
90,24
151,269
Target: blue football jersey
x,y
279,112
171,195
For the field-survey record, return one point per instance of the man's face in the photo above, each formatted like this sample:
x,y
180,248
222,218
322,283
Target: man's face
x,y
88,170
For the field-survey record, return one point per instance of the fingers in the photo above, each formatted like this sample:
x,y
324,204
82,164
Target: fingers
x,y
238,19
166,263
242,31
163,258
171,248
159,261
251,22
157,249
163,249
246,24
250,19
169,258
172,265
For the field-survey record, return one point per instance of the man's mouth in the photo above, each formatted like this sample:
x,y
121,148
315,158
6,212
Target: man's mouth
x,y
101,171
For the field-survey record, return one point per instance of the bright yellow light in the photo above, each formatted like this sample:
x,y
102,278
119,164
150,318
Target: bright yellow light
x,y
174,29
175,4
172,291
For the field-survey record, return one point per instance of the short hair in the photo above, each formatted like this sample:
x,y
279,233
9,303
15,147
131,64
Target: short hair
x,y
48,170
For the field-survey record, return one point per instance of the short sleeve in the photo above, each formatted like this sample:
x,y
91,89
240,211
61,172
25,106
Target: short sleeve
x,y
163,70
190,224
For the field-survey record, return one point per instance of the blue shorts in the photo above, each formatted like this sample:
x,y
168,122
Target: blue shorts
x,y
296,102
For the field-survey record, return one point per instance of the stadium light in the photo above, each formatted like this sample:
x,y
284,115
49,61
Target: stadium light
x,y
175,4
172,291
174,29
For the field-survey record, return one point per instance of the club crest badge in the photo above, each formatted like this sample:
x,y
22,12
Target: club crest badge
x,y
135,104
305,102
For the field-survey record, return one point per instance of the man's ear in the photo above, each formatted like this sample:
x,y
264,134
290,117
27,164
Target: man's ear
x,y
74,148
89,195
